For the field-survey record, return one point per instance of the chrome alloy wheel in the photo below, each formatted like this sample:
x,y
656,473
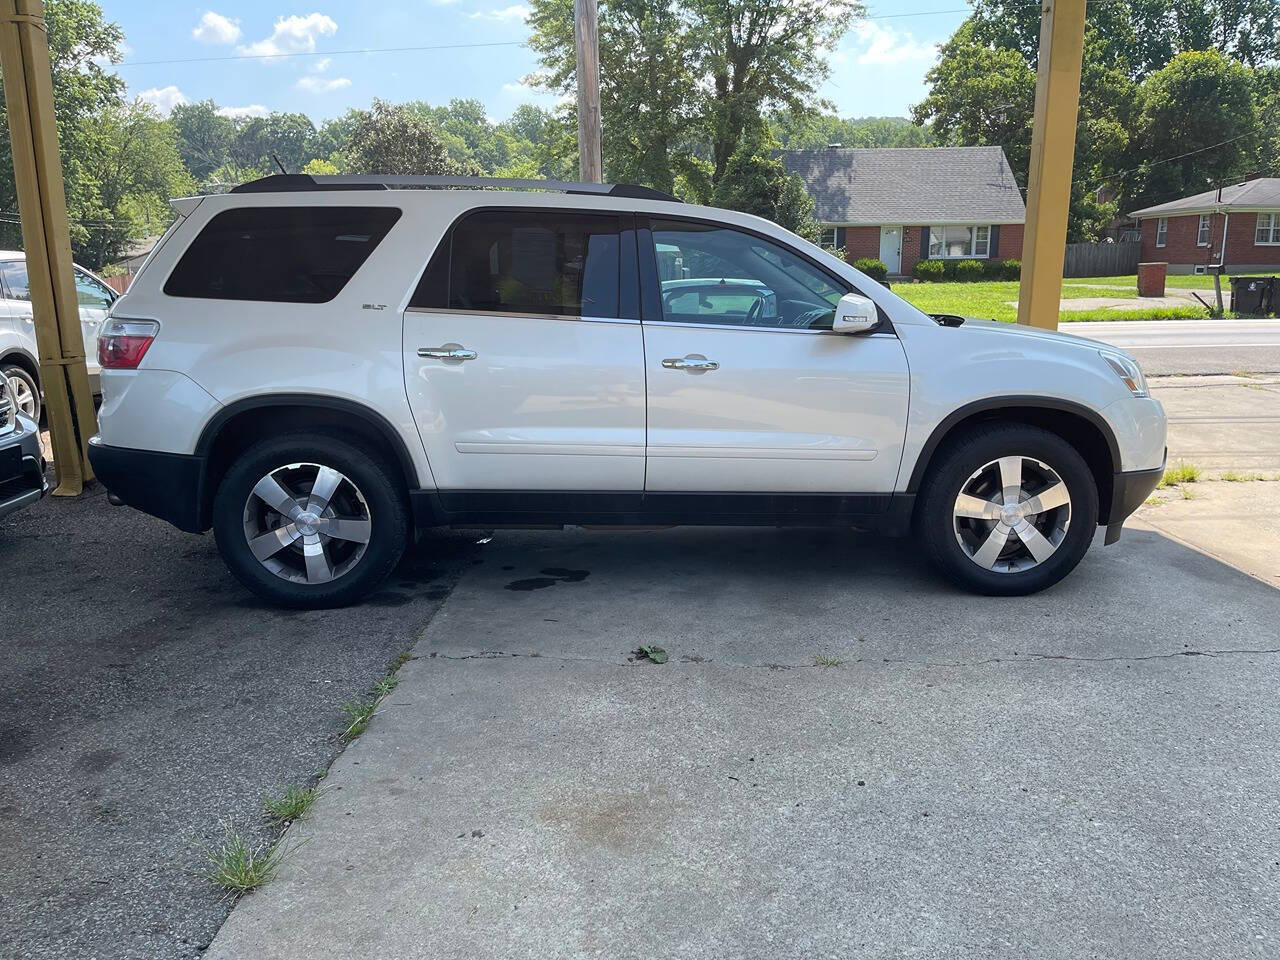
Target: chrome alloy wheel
x,y
1012,514
23,396
307,523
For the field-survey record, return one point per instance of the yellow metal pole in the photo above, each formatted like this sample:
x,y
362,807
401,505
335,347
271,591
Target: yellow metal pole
x,y
42,206
1053,145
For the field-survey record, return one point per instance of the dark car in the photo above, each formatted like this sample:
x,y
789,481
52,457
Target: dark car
x,y
22,480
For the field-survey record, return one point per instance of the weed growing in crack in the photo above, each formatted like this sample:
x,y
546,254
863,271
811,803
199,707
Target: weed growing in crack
x,y
237,865
822,660
292,805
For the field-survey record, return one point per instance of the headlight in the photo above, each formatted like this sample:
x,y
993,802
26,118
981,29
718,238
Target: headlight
x,y
1127,370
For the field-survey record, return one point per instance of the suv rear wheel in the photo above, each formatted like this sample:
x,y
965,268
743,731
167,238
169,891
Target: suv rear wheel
x,y
310,520
1007,509
24,390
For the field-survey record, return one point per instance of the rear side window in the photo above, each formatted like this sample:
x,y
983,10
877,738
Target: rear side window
x,y
15,279
544,262
280,254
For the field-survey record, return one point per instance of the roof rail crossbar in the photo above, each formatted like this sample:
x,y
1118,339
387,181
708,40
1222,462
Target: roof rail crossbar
x,y
281,183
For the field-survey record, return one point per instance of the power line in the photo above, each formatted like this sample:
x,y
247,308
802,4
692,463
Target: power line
x,y
322,53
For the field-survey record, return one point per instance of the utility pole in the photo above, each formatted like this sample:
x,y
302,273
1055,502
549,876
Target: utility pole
x,y
1053,145
587,34
42,207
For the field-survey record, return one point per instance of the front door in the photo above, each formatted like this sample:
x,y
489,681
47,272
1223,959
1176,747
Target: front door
x,y
749,389
891,249
523,371
95,300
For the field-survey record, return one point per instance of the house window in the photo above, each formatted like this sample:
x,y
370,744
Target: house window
x,y
948,243
1162,229
833,238
1268,231
1202,233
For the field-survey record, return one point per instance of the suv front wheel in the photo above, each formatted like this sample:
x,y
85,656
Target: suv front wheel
x,y
310,520
1007,509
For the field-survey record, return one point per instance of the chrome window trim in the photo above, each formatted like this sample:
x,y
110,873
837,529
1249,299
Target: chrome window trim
x,y
684,324
521,316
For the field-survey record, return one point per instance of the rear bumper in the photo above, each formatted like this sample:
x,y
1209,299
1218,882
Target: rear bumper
x,y
166,485
22,481
1128,492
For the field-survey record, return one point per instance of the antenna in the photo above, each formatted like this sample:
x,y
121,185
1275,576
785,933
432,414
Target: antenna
x,y
279,164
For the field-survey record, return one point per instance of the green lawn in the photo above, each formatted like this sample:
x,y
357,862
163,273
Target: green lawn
x,y
990,300
1188,281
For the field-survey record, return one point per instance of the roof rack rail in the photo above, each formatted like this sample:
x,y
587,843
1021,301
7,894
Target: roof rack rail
x,y
286,182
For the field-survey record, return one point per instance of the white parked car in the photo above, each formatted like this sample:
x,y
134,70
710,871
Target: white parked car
x,y
317,368
19,356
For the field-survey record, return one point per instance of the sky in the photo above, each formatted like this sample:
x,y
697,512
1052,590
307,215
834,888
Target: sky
x,y
341,58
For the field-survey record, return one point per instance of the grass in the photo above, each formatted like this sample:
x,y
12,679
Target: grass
x,y
1232,476
1179,474
1153,501
991,300
237,865
358,713
825,661
1187,493
292,804
1181,281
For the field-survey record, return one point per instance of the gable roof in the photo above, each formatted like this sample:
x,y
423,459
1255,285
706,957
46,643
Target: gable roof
x,y
908,185
1260,194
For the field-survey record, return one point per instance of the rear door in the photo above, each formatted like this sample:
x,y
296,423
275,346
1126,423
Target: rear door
x,y
749,390
95,300
524,359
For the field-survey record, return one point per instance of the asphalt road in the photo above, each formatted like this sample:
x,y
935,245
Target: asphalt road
x,y
144,698
1191,346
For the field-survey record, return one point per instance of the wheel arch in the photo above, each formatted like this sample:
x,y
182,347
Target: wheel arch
x,y
21,358
242,423
1085,429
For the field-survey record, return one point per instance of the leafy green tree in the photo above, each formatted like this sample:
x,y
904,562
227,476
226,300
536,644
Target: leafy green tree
x,y
260,141
755,182
205,136
1197,127
810,131
397,139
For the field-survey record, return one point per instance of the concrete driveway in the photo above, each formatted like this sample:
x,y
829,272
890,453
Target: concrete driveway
x,y
1088,772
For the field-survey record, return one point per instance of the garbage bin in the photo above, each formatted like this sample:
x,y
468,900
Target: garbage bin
x,y
1253,295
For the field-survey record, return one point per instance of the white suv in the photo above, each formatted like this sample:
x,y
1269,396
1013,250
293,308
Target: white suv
x,y
19,356
317,368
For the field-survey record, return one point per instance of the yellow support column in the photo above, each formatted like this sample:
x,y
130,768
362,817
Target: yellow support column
x,y
1053,147
42,206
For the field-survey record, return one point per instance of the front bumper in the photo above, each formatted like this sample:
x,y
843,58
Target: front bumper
x,y
22,481
1129,491
166,485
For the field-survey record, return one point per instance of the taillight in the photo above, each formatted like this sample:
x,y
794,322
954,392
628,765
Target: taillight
x,y
123,343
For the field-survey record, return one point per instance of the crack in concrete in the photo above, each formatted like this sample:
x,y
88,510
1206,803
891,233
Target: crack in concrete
x,y
1030,657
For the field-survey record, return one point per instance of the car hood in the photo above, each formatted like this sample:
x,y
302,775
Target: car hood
x,y
994,328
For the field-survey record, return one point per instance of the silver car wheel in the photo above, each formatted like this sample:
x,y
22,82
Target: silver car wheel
x,y
1012,514
307,523
23,396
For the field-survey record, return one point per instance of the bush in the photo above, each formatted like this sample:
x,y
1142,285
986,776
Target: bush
x,y
948,269
1012,269
874,268
928,270
969,270
992,270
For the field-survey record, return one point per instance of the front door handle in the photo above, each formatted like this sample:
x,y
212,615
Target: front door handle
x,y
450,351
694,363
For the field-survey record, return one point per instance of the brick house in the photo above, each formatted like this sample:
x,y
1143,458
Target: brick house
x,y
1238,228
912,203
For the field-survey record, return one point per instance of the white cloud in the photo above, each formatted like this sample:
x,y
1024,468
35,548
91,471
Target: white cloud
x,y
505,15
250,110
293,34
215,28
883,45
314,84
163,99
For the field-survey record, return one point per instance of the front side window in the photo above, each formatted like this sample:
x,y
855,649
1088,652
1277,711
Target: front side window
x,y
716,275
1202,232
527,262
1162,231
280,254
90,293
1268,229
15,279
954,242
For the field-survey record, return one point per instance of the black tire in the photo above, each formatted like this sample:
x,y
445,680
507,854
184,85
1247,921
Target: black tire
x,y
952,469
14,373
377,492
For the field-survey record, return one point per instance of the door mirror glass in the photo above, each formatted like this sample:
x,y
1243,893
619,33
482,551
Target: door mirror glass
x,y
855,314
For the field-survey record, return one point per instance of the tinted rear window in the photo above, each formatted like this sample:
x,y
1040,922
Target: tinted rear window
x,y
539,261
280,254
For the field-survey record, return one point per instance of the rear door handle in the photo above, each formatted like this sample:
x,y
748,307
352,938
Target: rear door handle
x,y
450,351
693,363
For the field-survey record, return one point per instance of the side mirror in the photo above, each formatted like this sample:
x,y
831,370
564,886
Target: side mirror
x,y
855,314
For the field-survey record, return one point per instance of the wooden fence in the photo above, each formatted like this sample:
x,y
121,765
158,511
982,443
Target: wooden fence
x,y
1102,259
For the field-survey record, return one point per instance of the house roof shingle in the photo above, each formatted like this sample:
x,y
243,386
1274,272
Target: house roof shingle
x,y
909,185
1260,194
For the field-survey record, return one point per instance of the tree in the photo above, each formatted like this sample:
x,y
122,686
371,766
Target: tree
x,y
288,137
397,139
205,136
755,182
1197,128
